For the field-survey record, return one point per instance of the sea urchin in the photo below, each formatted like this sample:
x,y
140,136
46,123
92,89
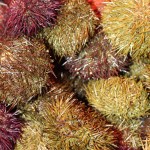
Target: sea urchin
x,y
24,69
10,128
28,16
127,24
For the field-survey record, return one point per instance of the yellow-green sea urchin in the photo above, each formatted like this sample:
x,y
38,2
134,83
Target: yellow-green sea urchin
x,y
141,71
32,137
61,122
123,102
118,98
76,23
127,23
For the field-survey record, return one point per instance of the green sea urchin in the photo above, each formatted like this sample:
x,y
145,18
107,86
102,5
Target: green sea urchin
x,y
118,98
127,24
75,25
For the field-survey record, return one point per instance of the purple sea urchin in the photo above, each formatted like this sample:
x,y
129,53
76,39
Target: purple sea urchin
x,y
28,16
127,24
75,25
24,69
96,60
10,128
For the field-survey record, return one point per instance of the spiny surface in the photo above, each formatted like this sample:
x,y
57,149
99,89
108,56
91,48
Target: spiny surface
x,y
29,16
118,98
69,124
10,128
24,69
127,24
141,71
32,137
123,102
75,25
96,60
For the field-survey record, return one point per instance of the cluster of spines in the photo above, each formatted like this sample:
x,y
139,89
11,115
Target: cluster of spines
x,y
61,121
127,25
10,127
76,23
129,102
58,96
29,16
25,68
96,60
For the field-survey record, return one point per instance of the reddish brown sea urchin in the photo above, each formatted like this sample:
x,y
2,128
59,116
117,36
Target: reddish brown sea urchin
x,y
3,9
7,1
96,60
10,128
24,69
28,16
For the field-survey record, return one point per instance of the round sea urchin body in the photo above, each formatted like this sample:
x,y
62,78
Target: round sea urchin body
x,y
24,69
127,24
28,16
118,98
96,60
75,25
70,125
123,102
